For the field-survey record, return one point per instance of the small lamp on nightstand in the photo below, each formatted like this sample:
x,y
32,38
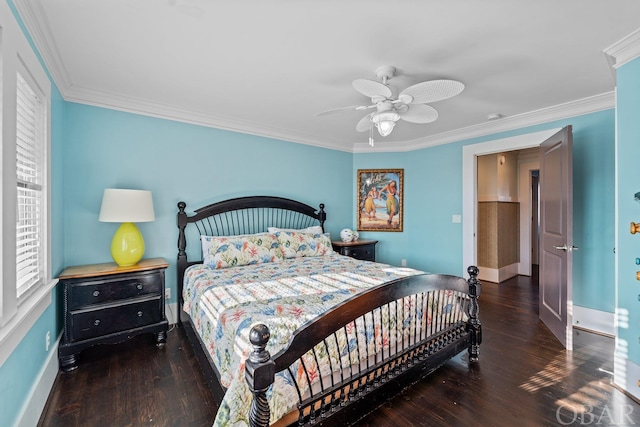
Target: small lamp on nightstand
x,y
127,207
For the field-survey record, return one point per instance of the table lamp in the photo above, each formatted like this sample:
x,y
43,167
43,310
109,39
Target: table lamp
x,y
127,207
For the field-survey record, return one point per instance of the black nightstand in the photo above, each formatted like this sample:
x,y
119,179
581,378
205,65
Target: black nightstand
x,y
360,249
107,304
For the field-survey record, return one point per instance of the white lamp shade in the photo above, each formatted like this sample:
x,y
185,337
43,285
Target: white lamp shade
x,y
120,205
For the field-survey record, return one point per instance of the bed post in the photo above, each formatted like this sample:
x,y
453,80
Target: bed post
x,y
260,374
182,253
474,326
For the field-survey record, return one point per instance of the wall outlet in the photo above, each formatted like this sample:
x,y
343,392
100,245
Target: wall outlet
x,y
167,294
47,341
403,262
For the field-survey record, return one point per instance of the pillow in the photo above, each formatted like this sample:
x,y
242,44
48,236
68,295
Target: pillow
x,y
230,251
314,229
295,244
206,241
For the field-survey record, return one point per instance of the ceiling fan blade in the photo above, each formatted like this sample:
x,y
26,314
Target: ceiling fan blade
x,y
431,91
364,124
419,113
372,88
352,107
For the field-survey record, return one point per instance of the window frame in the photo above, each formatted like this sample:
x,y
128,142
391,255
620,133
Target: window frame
x,y
18,315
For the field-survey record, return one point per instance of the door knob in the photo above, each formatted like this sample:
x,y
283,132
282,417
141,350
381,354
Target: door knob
x,y
635,228
566,248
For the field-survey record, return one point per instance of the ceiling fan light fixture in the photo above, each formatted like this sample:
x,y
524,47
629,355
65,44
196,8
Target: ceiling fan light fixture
x,y
385,121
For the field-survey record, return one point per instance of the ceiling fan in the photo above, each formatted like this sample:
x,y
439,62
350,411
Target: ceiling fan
x,y
409,104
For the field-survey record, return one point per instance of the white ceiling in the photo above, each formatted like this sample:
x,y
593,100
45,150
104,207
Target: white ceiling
x,y
267,67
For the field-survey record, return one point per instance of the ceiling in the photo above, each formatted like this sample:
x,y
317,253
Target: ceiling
x,y
268,67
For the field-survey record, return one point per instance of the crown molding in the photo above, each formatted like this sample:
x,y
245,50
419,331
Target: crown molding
x,y
624,50
43,40
588,105
605,101
44,43
175,113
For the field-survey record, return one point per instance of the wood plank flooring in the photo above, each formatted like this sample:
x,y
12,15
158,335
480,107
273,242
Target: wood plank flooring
x,y
524,378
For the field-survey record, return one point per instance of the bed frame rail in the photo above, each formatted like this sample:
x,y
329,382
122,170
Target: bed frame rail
x,y
420,346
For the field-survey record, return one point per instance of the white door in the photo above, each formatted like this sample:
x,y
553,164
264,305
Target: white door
x,y
556,234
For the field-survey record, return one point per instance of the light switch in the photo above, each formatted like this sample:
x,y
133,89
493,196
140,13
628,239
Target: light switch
x,y
456,219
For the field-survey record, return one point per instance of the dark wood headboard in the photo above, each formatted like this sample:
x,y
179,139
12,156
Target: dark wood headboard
x,y
243,215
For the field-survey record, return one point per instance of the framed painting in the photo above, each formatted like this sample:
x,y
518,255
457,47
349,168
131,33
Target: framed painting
x,y
380,199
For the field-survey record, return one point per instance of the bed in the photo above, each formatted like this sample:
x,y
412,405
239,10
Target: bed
x,y
288,332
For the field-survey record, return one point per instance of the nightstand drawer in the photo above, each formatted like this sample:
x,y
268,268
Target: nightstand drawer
x,y
85,293
365,252
362,249
109,318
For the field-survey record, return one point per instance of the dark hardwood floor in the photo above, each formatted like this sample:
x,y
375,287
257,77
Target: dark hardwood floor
x,y
524,378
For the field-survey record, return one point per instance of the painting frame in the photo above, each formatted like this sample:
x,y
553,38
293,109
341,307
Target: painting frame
x,y
374,206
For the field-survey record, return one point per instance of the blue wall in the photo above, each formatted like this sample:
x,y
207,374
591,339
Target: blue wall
x,y
628,105
180,162
433,192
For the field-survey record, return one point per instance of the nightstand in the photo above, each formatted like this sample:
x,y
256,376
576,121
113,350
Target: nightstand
x,y
360,249
108,304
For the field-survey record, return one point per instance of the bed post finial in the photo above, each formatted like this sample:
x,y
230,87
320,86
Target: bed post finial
x,y
322,216
474,326
260,374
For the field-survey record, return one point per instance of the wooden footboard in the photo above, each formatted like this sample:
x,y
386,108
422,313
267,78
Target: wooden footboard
x,y
444,322
351,386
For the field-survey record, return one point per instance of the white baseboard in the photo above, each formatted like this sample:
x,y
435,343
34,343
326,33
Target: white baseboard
x,y
599,321
497,275
626,374
34,404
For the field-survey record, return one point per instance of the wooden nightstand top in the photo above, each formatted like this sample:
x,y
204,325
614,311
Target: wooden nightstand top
x,y
359,242
96,270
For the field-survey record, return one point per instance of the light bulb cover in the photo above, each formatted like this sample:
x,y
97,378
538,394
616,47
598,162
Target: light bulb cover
x,y
385,121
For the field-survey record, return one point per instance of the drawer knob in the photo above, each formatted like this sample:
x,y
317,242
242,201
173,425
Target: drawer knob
x,y
96,293
139,286
140,314
96,322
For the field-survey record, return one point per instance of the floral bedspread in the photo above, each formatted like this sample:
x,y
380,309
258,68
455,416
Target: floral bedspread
x,y
225,303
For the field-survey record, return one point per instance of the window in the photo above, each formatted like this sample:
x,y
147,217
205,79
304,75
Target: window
x,y
30,173
25,267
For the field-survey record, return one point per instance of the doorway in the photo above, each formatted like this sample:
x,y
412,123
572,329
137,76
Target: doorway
x,y
555,219
470,198
507,214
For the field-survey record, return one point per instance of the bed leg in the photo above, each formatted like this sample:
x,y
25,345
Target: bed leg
x,y
259,373
474,326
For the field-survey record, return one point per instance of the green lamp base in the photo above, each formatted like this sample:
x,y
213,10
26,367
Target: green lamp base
x,y
127,246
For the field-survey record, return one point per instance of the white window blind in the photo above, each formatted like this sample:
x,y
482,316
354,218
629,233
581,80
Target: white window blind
x,y
30,179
